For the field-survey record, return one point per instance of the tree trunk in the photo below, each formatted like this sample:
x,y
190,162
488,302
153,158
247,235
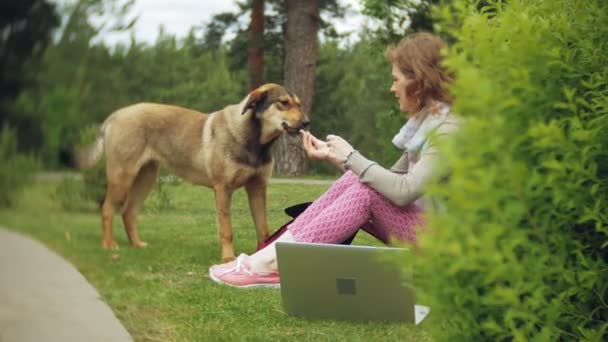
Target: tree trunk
x,y
255,51
299,72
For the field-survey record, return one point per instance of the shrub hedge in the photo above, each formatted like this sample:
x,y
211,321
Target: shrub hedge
x,y
518,250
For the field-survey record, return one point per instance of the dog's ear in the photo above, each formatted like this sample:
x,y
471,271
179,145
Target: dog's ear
x,y
256,97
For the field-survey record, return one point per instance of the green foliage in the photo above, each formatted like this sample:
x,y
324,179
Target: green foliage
x,y
352,91
26,27
94,179
400,17
94,184
15,169
519,249
180,73
388,123
68,193
87,193
160,199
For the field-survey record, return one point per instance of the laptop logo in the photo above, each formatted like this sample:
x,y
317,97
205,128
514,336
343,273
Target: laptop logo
x,y
346,286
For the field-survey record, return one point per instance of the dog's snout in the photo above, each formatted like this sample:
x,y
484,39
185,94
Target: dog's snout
x,y
305,123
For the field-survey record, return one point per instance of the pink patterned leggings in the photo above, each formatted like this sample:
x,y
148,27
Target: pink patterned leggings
x,y
349,205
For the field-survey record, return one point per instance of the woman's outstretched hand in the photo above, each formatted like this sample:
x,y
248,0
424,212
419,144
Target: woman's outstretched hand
x,y
315,148
335,149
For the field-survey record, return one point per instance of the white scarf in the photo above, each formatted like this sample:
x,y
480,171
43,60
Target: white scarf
x,y
415,132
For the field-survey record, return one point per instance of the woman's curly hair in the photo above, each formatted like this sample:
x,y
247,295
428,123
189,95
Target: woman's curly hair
x,y
418,57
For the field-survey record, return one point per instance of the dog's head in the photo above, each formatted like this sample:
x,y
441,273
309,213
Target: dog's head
x,y
277,108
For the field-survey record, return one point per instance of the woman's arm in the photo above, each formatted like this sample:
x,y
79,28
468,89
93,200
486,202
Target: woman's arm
x,y
402,164
401,189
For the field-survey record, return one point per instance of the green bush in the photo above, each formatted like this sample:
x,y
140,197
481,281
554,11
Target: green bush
x,y
89,192
15,169
94,183
519,249
84,193
68,193
160,200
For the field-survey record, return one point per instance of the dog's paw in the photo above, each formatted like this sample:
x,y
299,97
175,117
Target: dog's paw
x,y
109,245
228,258
140,244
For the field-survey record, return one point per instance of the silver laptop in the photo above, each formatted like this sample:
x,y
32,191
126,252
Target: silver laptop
x,y
346,282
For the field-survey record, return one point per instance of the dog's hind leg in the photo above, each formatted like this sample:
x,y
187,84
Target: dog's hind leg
x,y
256,193
223,196
142,185
119,182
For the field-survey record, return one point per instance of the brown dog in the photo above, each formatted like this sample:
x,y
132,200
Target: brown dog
x,y
224,150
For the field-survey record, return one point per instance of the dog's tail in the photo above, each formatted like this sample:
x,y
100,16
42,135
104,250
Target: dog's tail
x,y
87,156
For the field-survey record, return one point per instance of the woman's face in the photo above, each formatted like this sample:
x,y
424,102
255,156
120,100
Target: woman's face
x,y
400,83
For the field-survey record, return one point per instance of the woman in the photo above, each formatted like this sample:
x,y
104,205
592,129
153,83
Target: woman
x,y
368,193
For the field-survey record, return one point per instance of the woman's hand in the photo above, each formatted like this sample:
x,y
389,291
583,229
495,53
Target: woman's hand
x,y
335,149
315,148
339,149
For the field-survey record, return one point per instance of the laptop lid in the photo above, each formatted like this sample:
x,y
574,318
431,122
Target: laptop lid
x,y
345,282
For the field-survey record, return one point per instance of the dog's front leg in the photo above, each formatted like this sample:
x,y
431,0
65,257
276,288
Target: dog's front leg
x,y
256,193
223,196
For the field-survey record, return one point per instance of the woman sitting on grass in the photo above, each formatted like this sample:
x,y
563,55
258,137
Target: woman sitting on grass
x,y
367,191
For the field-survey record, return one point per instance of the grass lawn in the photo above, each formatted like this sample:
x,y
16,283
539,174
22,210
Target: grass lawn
x,y
162,293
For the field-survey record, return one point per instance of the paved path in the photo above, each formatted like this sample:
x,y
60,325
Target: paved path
x,y
44,298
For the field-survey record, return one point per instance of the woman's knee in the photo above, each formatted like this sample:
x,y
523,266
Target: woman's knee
x,y
364,188
346,179
362,192
349,186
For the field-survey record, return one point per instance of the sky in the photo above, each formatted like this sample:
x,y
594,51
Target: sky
x,y
178,16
